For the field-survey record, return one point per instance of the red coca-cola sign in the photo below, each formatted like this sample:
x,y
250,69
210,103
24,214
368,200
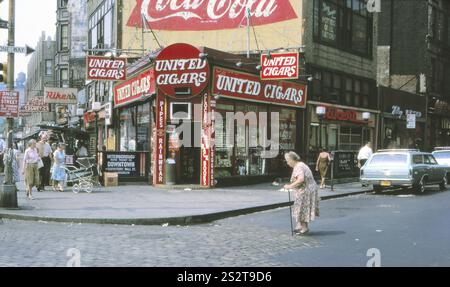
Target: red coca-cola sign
x,y
180,72
199,15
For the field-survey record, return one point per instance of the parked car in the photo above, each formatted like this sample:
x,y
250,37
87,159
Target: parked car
x,y
442,155
404,168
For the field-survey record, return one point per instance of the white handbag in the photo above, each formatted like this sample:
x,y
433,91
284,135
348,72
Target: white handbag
x,y
40,164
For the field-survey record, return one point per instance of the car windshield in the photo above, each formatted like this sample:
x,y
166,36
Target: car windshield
x,y
389,159
442,155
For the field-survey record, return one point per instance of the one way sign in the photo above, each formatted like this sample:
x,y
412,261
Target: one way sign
x,y
17,50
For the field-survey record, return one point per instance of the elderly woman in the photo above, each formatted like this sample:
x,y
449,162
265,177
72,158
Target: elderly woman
x,y
30,167
58,171
306,196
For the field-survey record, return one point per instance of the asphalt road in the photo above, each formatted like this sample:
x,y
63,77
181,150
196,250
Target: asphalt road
x,y
405,230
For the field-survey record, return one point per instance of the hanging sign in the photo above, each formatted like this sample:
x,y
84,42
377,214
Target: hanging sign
x,y
9,104
106,68
180,72
60,95
279,66
135,88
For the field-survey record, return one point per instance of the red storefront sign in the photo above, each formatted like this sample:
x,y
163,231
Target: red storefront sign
x,y
60,95
160,138
196,15
106,69
279,66
134,89
180,72
9,104
334,114
228,83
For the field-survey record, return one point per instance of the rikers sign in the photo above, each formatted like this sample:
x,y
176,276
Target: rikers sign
x,y
180,72
198,15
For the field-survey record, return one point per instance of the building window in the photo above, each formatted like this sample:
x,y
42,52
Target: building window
x,y
101,26
48,67
64,78
63,3
64,37
339,88
343,24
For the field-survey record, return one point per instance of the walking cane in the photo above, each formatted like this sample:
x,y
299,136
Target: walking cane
x,y
290,211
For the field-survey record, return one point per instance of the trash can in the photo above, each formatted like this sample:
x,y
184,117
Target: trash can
x,y
171,171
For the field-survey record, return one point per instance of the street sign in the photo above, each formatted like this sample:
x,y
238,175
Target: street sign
x,y
3,24
17,50
411,121
9,104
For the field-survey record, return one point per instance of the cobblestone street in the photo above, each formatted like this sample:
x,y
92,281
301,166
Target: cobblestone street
x,y
408,230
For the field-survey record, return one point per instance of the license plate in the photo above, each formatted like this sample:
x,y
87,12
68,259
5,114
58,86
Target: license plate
x,y
385,183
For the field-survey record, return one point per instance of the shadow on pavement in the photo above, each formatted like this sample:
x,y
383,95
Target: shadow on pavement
x,y
326,233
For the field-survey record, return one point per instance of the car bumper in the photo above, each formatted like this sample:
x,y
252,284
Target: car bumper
x,y
392,182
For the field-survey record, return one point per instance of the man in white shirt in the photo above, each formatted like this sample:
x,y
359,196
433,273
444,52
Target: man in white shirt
x,y
45,152
364,154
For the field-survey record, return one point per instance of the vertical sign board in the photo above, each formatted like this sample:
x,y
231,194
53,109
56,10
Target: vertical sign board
x,y
160,137
205,143
9,104
212,140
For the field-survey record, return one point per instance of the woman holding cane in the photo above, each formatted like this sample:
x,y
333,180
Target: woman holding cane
x,y
306,193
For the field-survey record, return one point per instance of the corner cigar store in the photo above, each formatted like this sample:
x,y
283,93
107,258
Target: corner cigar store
x,y
210,119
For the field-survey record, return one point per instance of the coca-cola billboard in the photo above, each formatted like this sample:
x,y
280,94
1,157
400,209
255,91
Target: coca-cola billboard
x,y
198,15
180,72
217,24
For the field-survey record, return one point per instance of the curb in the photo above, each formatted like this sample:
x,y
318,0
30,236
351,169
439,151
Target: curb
x,y
181,220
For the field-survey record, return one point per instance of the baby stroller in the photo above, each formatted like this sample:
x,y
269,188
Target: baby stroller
x,y
82,175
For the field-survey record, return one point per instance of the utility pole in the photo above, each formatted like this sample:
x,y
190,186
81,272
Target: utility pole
x,y
247,14
8,192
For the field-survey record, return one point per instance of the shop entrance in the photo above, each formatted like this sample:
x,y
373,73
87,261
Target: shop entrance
x,y
184,143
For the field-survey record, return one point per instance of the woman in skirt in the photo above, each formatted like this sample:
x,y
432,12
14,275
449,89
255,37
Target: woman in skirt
x,y
30,167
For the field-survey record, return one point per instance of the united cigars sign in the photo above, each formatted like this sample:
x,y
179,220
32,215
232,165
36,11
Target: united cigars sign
x,y
180,72
60,95
135,88
279,66
9,104
106,69
244,86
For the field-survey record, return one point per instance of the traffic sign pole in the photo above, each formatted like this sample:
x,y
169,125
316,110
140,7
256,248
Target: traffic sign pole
x,y
8,192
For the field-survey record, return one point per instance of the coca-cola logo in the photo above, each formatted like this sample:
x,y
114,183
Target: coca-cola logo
x,y
197,15
180,72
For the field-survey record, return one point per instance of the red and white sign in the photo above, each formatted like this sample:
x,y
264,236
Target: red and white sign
x,y
106,69
34,105
60,95
212,141
233,84
200,15
334,114
9,104
160,137
180,72
279,66
135,89
206,142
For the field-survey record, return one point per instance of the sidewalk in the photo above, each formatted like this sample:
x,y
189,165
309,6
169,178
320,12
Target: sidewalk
x,y
147,205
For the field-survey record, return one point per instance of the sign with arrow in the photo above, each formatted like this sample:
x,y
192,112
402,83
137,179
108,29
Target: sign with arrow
x,y
17,50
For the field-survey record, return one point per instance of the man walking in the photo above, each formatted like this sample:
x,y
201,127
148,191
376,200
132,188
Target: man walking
x,y
364,154
45,152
